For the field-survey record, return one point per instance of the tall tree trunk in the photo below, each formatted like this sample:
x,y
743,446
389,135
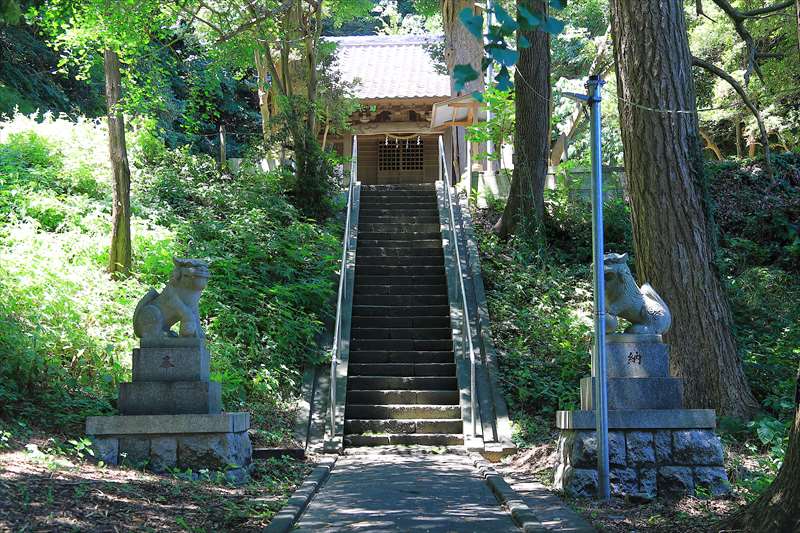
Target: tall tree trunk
x,y
531,132
672,230
778,508
120,254
262,71
797,15
460,48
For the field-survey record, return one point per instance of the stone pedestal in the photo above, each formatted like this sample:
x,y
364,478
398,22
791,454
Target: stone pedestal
x,y
171,415
655,446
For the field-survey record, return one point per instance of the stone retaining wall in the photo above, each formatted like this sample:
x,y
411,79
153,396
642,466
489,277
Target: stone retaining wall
x,y
644,463
229,453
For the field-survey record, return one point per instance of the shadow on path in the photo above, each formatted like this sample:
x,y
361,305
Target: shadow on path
x,y
382,492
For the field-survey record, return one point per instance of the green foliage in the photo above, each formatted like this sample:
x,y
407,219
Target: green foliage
x,y
272,271
65,335
502,40
314,179
540,323
540,303
759,223
500,129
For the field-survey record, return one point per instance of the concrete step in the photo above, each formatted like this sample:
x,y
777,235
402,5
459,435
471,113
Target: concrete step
x,y
386,211
396,403
416,439
396,243
400,289
366,228
370,198
401,322
384,238
397,218
400,299
400,187
402,369
403,411
400,260
400,204
402,345
377,192
410,249
386,279
428,426
401,333
401,383
382,270
377,356
401,310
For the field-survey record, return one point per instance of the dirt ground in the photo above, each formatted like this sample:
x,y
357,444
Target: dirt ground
x,y
44,490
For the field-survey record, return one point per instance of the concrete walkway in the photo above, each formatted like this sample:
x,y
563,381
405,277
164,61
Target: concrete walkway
x,y
414,492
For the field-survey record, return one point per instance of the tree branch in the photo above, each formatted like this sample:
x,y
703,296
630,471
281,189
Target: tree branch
x,y
738,18
767,10
749,103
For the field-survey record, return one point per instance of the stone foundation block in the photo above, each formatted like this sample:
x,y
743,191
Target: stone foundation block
x,y
644,463
663,446
676,479
163,453
712,478
696,447
636,393
624,481
215,443
636,359
640,448
106,449
134,451
166,398
215,451
161,363
578,482
582,449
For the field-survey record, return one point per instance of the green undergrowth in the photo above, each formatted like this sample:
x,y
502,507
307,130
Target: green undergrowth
x,y
540,300
65,325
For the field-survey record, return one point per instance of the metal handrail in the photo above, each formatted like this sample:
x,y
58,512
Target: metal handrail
x,y
465,316
342,285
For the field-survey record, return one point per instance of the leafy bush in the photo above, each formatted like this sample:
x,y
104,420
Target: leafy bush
x,y
759,222
540,323
272,271
65,334
540,301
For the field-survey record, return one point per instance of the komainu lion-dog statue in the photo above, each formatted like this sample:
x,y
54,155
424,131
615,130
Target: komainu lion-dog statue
x,y
156,313
641,306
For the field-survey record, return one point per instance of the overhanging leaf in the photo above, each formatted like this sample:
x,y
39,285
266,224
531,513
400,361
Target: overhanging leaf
x,y
508,24
503,80
495,34
558,4
523,42
477,95
529,20
473,23
503,55
553,26
464,74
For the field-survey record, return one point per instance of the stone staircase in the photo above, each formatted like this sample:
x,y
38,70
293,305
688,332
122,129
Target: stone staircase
x,y
402,386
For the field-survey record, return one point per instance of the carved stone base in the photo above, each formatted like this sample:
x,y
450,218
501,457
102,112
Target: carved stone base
x,y
216,443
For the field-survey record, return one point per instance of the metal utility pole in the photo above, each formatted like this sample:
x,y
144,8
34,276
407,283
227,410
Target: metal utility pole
x,y
592,97
593,88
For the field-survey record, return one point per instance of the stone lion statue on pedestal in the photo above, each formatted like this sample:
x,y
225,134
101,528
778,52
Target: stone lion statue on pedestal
x,y
156,313
641,306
